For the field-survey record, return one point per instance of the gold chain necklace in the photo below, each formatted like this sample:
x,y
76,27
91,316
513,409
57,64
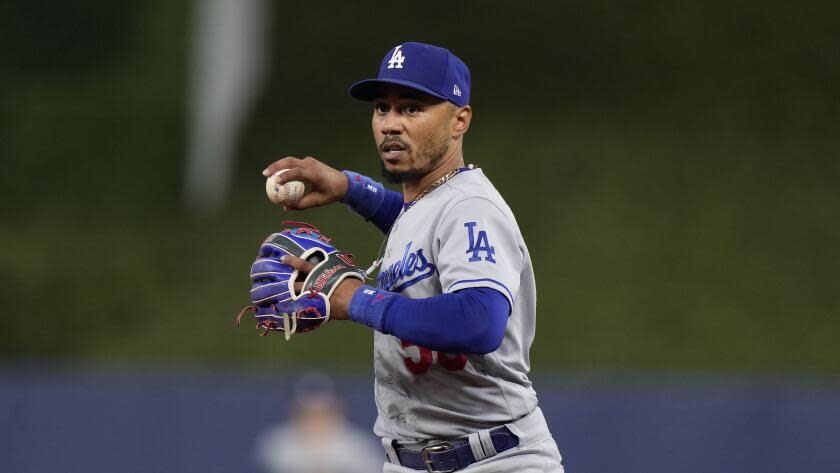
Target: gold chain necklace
x,y
438,182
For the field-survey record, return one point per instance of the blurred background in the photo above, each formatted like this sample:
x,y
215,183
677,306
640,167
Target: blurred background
x,y
674,168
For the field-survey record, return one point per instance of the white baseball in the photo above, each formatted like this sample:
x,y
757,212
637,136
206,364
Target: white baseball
x,y
279,194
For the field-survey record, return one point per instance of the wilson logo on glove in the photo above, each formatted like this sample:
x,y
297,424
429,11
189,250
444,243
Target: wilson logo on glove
x,y
324,278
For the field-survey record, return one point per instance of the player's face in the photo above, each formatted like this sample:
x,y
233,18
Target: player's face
x,y
412,132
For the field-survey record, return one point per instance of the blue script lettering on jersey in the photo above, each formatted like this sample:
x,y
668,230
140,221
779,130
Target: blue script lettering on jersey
x,y
479,244
411,269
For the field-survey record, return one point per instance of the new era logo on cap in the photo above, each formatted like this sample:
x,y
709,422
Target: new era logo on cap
x,y
424,67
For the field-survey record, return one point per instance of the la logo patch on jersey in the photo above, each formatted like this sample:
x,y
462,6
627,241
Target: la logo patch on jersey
x,y
397,59
479,244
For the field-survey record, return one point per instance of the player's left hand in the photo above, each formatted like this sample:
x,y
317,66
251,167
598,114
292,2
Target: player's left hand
x,y
299,279
342,294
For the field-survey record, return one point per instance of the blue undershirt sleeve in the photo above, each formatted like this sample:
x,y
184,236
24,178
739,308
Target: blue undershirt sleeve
x,y
372,201
472,320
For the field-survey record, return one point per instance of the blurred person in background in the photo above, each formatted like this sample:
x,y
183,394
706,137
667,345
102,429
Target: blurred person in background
x,y
318,438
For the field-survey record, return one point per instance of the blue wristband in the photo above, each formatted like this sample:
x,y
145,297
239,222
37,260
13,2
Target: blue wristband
x,y
368,306
364,195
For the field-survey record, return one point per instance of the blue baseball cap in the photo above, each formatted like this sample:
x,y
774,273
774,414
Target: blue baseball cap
x,y
430,69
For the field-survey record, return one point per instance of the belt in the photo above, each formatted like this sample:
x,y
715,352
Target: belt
x,y
446,457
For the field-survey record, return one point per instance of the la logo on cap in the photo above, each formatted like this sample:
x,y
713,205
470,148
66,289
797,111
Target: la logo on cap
x,y
396,59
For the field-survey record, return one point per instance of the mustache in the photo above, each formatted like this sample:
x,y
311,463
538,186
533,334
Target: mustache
x,y
394,139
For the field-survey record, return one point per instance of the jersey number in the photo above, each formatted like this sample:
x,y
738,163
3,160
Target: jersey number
x,y
450,362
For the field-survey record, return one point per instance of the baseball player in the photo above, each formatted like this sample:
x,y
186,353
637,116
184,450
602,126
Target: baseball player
x,y
454,304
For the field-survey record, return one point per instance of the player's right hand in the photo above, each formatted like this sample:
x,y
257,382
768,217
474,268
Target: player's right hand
x,y
326,185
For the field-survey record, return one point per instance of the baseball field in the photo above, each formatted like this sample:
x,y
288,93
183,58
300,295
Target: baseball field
x,y
674,170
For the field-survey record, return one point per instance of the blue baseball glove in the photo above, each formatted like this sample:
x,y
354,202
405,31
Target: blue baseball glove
x,y
285,299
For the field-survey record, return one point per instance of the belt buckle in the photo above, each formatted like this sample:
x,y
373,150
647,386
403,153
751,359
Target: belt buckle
x,y
435,448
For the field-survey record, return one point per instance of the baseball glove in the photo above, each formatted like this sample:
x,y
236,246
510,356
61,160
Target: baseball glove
x,y
284,299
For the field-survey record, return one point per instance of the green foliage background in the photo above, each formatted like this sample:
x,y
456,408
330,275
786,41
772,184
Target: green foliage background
x,y
673,166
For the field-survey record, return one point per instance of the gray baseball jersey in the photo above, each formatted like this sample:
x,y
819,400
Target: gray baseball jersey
x,y
460,235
